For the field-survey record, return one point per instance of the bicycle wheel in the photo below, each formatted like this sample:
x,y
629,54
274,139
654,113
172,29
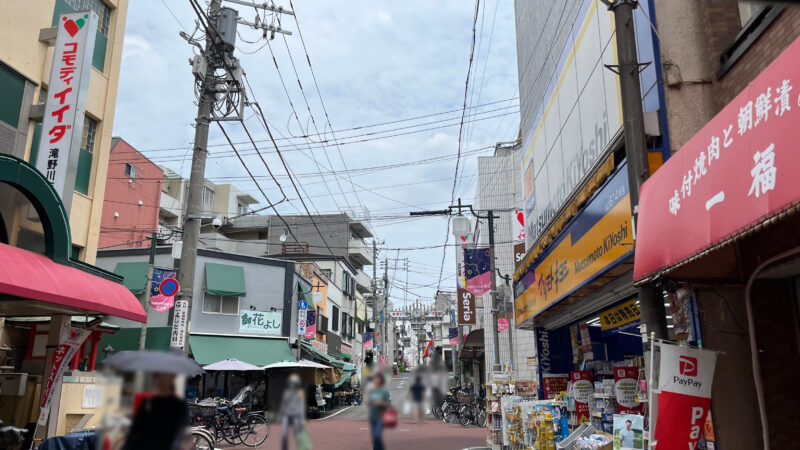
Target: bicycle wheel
x,y
465,416
481,418
201,441
450,413
437,411
254,431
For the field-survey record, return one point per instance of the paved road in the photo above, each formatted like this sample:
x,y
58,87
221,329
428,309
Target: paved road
x,y
348,430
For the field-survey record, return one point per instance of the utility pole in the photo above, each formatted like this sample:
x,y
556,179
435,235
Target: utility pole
x,y
492,266
651,302
216,54
194,202
385,304
375,293
148,287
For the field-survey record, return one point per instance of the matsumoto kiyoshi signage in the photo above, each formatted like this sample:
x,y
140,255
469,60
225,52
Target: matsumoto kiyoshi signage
x,y
598,237
736,172
260,322
62,123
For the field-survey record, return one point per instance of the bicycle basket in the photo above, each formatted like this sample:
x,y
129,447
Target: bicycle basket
x,y
203,411
464,398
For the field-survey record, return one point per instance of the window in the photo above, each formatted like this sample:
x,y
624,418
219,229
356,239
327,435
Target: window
x,y
12,89
327,273
345,322
242,210
335,318
208,195
218,304
130,170
84,172
352,327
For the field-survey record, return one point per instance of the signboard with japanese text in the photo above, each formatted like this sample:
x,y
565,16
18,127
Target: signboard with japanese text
x,y
62,123
684,384
158,300
620,317
597,238
466,307
736,172
576,118
179,320
260,322
61,359
582,390
626,384
319,345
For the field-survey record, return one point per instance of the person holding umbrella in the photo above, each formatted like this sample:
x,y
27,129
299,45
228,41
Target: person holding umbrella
x,y
160,422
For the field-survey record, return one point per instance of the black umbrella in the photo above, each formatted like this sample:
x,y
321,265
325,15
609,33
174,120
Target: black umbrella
x,y
154,361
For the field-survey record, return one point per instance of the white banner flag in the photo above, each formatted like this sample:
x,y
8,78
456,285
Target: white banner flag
x,y
688,371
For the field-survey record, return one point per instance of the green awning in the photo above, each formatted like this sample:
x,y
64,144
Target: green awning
x,y
305,293
134,275
258,351
346,374
349,367
323,357
222,279
128,339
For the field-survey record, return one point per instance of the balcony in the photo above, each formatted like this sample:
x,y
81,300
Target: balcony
x,y
360,252
363,282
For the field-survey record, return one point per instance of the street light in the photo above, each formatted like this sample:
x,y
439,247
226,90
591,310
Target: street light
x,y
461,225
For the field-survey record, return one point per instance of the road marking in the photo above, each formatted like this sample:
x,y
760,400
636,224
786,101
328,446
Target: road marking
x,y
336,413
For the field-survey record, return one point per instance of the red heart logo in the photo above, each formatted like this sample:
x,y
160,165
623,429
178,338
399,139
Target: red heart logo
x,y
71,27
520,218
464,238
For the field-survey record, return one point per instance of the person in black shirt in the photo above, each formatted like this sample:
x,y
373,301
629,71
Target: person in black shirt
x,y
417,393
161,421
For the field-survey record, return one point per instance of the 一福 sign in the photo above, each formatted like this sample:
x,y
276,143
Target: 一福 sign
x,y
260,322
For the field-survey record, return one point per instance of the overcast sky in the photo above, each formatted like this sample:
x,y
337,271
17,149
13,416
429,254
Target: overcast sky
x,y
375,62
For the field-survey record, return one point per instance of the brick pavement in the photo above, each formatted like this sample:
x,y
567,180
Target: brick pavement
x,y
353,434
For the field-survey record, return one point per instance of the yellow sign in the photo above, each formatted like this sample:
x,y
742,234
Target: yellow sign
x,y
598,237
619,315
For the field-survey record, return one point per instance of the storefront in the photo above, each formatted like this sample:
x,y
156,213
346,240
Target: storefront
x,y
41,280
718,224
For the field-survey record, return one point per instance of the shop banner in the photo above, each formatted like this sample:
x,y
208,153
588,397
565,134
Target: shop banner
x,y
453,335
466,307
367,340
583,391
684,383
596,239
586,342
311,324
619,318
626,383
736,172
519,254
64,112
179,320
476,270
518,226
462,242
158,301
554,384
61,359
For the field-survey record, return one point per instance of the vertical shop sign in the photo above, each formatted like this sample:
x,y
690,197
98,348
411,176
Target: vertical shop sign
x,y
62,122
582,390
61,359
586,342
311,324
466,307
178,337
626,382
478,279
684,383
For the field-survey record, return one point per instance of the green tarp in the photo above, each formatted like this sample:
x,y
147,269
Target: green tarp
x,y
128,339
345,378
222,279
134,275
258,351
305,293
324,358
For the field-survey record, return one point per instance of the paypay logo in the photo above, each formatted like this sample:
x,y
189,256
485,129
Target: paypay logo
x,y
687,366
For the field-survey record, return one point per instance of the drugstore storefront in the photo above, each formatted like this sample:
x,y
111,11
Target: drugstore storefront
x,y
41,278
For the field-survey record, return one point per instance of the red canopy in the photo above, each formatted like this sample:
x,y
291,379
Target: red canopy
x,y
60,289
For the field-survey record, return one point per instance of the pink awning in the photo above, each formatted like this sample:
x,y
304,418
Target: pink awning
x,y
59,289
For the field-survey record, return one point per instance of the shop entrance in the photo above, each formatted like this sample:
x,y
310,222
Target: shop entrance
x,y
774,301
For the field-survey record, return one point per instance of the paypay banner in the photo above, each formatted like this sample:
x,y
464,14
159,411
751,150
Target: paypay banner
x,y
684,383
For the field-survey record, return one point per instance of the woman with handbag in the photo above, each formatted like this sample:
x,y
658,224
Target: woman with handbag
x,y
380,405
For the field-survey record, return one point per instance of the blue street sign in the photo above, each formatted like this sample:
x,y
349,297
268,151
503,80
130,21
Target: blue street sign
x,y
303,304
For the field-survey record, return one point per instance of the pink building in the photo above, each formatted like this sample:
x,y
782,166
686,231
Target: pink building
x,y
133,194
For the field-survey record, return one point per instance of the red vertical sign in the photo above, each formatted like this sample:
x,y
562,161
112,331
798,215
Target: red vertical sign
x,y
582,390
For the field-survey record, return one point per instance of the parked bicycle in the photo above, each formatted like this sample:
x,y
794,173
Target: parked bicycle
x,y
473,413
226,421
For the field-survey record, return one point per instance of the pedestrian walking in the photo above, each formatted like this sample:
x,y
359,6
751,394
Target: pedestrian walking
x,y
417,393
160,421
293,414
378,402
